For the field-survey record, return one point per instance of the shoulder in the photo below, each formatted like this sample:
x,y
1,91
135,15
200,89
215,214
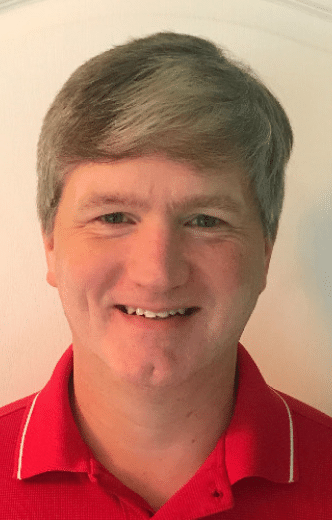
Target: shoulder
x,y
312,438
305,414
11,420
13,413
11,409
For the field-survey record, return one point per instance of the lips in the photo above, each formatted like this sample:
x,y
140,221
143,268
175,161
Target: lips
x,y
165,314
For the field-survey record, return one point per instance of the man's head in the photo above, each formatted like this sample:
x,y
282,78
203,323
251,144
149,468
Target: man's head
x,y
161,170
170,94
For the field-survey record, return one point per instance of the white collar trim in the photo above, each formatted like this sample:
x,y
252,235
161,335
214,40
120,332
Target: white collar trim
x,y
20,457
291,435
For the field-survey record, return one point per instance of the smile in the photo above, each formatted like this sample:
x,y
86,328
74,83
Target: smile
x,y
156,315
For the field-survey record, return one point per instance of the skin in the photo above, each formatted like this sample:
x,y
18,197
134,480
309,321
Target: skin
x,y
166,388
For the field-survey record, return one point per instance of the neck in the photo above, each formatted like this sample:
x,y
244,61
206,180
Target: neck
x,y
166,428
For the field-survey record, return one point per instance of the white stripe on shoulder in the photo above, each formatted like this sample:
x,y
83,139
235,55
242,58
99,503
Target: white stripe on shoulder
x,y
23,437
291,435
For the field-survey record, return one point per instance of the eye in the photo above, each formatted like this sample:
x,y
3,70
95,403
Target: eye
x,y
114,218
205,221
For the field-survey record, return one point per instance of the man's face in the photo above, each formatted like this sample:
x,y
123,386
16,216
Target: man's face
x,y
153,234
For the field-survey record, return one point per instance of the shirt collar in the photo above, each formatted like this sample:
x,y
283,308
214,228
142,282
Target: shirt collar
x,y
258,442
260,438
49,438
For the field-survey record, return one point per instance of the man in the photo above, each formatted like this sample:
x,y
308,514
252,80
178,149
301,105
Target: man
x,y
161,176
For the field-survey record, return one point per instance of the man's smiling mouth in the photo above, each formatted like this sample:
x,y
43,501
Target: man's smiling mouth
x,y
186,311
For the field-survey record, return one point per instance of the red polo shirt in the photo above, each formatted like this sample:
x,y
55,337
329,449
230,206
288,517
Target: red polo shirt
x,y
274,462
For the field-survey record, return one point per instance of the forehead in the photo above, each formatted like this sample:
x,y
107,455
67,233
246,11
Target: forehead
x,y
143,181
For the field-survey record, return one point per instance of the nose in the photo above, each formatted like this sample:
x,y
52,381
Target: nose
x,y
156,260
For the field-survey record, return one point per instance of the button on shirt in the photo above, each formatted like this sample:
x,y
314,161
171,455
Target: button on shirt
x,y
273,462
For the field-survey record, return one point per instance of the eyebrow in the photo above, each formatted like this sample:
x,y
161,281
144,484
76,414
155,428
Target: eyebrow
x,y
221,202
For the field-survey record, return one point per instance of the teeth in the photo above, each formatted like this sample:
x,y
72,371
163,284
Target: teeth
x,y
150,314
163,314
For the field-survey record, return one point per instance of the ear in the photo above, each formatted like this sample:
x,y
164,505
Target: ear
x,y
50,258
269,243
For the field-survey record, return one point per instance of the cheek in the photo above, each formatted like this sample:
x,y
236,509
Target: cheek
x,y
83,269
226,266
235,279
235,269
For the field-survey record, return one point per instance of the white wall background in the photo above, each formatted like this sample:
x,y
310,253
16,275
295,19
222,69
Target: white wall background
x,y
42,42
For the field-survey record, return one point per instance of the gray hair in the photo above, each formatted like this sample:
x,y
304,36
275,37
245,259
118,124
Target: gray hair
x,y
171,94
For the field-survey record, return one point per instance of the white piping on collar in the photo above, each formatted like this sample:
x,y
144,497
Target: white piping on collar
x,y
23,437
291,435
